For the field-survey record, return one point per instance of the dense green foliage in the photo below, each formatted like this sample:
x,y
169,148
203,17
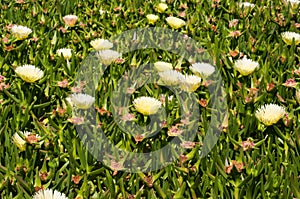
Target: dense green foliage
x,y
269,170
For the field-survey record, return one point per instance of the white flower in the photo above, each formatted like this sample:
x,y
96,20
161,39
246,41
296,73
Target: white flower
x,y
294,3
152,18
70,20
29,73
161,7
20,32
108,56
245,66
49,194
101,44
69,101
175,22
65,52
147,105
102,11
202,69
161,66
190,83
82,101
171,77
19,141
246,5
270,114
289,36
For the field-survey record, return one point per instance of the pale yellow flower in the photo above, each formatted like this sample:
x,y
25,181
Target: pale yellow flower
x,y
171,77
245,66
288,37
294,3
20,32
108,56
246,5
161,66
152,18
101,44
270,114
161,7
70,20
82,101
175,22
29,73
147,105
190,83
49,194
102,11
202,69
65,52
68,100
19,141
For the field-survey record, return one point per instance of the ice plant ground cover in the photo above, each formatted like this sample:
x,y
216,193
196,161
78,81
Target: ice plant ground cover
x,y
254,157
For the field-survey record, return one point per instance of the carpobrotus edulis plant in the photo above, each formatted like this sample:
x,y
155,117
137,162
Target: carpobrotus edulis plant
x,y
161,66
202,69
20,32
245,66
65,52
175,22
29,73
82,101
288,37
70,20
152,18
270,114
147,105
49,194
107,57
101,44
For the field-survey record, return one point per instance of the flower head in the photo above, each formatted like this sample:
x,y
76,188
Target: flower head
x,y
102,12
288,37
101,44
161,66
19,141
290,83
76,120
70,20
20,32
190,83
171,77
65,52
294,3
233,23
49,194
82,101
248,144
202,69
29,73
152,18
270,114
161,7
175,22
147,105
108,56
245,66
174,131
246,5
